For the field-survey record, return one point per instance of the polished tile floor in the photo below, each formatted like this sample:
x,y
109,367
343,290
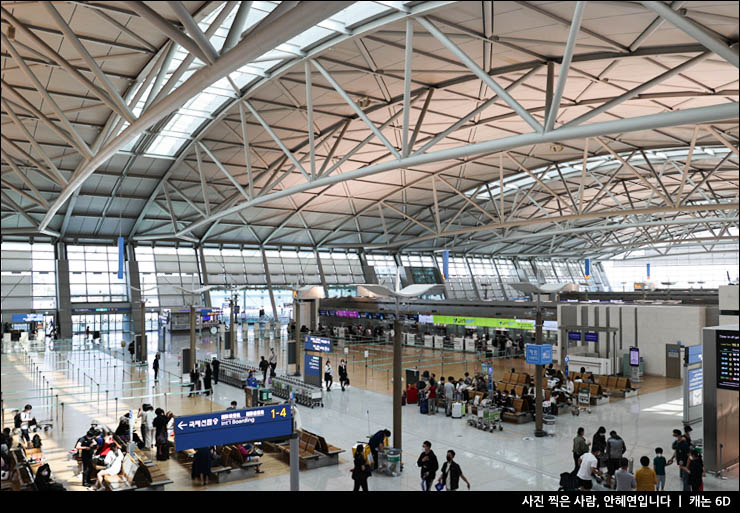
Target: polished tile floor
x,y
508,460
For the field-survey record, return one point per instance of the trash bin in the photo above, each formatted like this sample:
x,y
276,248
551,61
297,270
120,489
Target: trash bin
x,y
548,422
393,462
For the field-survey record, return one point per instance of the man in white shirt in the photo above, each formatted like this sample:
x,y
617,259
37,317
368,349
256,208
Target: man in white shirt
x,y
113,463
589,465
272,360
26,418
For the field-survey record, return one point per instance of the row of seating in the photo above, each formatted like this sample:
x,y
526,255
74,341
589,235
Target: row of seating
x,y
313,449
137,471
23,463
516,378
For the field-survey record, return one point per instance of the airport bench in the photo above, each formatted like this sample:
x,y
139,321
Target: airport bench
x,y
314,451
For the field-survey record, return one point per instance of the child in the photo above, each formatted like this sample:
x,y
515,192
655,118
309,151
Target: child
x,y
659,463
645,477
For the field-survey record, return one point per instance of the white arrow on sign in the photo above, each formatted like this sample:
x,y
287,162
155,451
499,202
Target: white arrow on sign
x,y
181,424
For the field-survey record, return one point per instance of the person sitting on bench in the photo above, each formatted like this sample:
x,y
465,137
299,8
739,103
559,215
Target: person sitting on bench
x,y
251,454
113,463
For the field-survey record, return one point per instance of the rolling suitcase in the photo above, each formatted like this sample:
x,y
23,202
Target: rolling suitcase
x,y
457,410
412,395
424,406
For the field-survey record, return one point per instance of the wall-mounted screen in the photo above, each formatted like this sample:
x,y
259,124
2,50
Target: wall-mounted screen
x,y
728,360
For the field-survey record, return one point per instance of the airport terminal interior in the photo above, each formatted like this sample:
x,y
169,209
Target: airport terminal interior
x,y
271,246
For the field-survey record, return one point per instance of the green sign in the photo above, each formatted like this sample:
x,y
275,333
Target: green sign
x,y
490,322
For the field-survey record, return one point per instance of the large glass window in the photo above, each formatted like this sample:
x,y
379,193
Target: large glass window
x,y
93,275
28,276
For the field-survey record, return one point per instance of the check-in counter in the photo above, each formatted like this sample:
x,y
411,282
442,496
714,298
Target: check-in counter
x,y
428,341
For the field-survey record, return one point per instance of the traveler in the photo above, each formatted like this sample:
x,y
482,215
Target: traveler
x,y
624,478
113,463
659,464
428,463
132,349
215,365
155,366
615,448
207,379
194,381
328,376
376,444
695,471
580,447
687,434
160,435
588,466
343,380
272,361
645,476
599,442
441,391
361,471
432,398
681,450
146,414
26,420
202,464
550,371
233,406
122,431
449,395
87,333
263,366
86,449
468,380
509,348
6,442
452,473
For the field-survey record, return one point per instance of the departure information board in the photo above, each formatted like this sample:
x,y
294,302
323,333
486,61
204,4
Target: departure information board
x,y
728,360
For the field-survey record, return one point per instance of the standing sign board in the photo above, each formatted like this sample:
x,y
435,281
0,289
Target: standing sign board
x,y
696,386
539,354
233,426
312,366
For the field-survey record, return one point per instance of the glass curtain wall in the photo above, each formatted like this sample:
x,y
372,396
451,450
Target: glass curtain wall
x,y
28,276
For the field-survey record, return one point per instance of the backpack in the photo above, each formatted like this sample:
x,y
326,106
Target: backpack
x,y
17,421
36,442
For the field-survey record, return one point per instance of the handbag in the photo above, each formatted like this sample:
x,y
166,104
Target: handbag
x,y
439,487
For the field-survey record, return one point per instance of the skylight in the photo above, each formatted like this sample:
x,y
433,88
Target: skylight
x,y
200,108
602,162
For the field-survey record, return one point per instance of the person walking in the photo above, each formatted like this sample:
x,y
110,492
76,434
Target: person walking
x,y
681,449
215,365
615,448
695,471
132,349
328,376
429,465
155,367
272,361
361,471
343,379
580,447
659,464
452,473
263,366
207,379
645,476
26,419
146,414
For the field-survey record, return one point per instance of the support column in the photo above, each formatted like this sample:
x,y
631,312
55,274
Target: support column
x,y
397,384
203,275
192,341
269,285
232,332
64,302
472,278
138,310
321,272
538,431
298,341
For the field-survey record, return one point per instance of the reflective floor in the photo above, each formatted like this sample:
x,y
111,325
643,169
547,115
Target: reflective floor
x,y
511,459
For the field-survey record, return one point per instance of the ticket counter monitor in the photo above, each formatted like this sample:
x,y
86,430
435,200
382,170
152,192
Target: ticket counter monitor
x,y
721,376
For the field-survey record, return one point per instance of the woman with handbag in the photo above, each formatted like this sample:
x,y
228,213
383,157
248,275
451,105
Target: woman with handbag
x,y
343,379
361,470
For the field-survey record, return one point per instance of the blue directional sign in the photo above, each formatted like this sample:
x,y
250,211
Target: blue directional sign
x,y
539,354
574,335
28,317
319,344
592,336
233,426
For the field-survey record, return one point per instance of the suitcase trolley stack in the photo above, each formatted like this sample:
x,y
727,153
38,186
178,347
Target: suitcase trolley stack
x,y
584,402
487,419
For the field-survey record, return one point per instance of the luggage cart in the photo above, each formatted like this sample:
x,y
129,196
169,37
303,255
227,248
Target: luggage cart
x,y
494,419
584,402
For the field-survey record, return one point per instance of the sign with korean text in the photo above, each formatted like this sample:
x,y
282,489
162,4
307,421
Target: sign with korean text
x,y
539,354
319,344
233,426
28,317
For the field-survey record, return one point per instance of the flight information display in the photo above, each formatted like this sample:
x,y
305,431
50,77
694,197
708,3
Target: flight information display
x,y
728,360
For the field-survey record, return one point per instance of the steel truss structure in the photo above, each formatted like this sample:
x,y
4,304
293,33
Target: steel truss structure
x,y
568,130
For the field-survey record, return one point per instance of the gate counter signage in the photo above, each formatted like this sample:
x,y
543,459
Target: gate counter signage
x,y
233,426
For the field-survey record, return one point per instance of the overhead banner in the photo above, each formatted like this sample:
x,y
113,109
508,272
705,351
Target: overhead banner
x,y
490,322
233,426
588,268
120,258
28,317
446,264
648,271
